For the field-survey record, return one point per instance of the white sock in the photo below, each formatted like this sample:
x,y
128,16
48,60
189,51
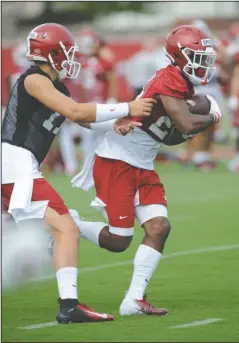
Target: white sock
x,y
88,230
67,282
145,263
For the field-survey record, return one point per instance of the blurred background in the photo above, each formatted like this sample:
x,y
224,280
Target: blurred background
x,y
120,49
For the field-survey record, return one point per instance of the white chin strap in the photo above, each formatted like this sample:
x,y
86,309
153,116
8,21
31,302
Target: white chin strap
x,y
62,74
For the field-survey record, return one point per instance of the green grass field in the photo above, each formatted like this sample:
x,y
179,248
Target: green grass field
x,y
198,281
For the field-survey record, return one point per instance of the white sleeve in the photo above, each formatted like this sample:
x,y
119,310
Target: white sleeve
x,y
113,111
104,126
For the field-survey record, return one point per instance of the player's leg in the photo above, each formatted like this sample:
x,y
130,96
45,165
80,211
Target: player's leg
x,y
146,261
203,144
47,205
214,89
115,191
233,165
101,234
153,219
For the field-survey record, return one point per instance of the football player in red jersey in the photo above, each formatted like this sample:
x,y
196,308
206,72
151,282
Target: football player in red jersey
x,y
37,107
234,90
122,170
98,78
98,73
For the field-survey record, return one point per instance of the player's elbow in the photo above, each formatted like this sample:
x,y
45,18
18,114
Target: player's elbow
x,y
84,113
76,113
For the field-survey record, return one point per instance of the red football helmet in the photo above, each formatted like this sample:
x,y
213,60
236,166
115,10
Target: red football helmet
x,y
191,50
54,44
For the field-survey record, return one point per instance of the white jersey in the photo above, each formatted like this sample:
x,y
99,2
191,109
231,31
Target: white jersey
x,y
137,148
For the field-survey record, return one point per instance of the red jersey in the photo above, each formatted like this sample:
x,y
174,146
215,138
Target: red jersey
x,y
167,81
94,78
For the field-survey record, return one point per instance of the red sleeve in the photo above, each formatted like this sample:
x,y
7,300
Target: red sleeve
x,y
169,81
107,64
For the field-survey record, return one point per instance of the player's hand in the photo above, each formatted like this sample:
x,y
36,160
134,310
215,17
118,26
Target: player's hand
x,y
214,110
124,125
141,107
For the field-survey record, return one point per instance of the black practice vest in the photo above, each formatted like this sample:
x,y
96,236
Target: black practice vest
x,y
27,122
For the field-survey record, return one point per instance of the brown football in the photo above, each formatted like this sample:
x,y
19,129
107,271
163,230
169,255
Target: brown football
x,y
199,104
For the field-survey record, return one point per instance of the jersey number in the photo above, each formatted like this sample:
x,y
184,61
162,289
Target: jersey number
x,y
161,127
50,125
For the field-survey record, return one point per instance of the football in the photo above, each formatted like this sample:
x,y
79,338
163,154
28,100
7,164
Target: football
x,y
197,104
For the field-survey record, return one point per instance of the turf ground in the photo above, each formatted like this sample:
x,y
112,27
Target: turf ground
x,y
198,281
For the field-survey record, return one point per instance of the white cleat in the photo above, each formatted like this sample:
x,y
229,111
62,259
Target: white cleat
x,y
131,307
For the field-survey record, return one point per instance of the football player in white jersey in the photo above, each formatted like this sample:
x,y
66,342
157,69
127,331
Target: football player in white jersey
x,y
122,168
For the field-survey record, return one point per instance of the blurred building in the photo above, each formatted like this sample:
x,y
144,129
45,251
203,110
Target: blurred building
x,y
153,17
126,26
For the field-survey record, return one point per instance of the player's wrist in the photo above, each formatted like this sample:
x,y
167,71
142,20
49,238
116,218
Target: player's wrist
x,y
214,109
215,117
106,112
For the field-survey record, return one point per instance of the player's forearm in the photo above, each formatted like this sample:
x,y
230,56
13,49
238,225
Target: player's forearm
x,y
192,123
90,113
198,122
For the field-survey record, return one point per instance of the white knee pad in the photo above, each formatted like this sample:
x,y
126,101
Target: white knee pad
x,y
146,212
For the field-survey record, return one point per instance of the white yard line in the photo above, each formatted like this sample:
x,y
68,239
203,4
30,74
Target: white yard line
x,y
128,262
39,326
197,323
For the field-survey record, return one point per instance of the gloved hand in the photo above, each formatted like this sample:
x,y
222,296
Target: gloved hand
x,y
214,110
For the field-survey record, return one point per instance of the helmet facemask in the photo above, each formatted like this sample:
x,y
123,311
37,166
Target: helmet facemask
x,y
69,68
200,66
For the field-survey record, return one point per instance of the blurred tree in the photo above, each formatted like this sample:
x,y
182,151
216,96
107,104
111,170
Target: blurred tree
x,y
71,12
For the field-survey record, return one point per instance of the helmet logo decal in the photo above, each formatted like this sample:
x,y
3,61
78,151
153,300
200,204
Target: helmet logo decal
x,y
33,35
206,42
